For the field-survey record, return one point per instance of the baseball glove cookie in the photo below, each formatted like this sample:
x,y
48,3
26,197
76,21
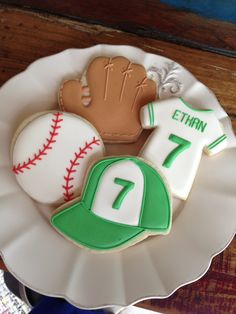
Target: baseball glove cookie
x,y
110,95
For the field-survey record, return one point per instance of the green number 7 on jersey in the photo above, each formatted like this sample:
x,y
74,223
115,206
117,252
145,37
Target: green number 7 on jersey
x,y
182,146
127,187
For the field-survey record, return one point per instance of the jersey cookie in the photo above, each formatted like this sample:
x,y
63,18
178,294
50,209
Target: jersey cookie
x,y
110,96
176,145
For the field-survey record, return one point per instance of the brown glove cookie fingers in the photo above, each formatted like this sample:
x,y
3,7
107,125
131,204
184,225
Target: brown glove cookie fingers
x,y
118,89
109,95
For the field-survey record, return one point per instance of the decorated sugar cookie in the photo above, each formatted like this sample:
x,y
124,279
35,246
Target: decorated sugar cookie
x,y
51,154
124,200
110,96
177,144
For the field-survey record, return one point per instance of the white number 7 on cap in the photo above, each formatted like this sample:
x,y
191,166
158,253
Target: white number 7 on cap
x,y
127,187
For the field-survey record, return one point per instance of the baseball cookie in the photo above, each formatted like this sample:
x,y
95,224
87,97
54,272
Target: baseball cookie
x,y
51,153
110,95
138,204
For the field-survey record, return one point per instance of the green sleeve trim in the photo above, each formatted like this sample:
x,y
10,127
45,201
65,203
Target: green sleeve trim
x,y
151,114
217,142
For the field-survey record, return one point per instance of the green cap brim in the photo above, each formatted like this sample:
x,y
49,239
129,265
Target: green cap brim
x,y
87,229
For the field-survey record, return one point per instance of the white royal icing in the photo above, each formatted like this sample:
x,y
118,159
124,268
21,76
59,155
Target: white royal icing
x,y
129,212
175,118
51,155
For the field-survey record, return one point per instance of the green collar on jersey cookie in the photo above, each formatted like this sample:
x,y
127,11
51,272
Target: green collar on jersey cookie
x,y
194,109
110,191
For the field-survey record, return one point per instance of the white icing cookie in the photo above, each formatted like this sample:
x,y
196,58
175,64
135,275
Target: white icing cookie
x,y
51,154
177,144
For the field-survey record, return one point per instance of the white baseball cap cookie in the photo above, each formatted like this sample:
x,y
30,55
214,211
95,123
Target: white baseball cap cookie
x,y
51,154
123,198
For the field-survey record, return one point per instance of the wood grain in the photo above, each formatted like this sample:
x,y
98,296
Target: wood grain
x,y
26,36
149,18
2,265
214,293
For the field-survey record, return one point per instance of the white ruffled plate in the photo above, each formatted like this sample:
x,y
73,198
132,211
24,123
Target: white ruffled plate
x,y
45,261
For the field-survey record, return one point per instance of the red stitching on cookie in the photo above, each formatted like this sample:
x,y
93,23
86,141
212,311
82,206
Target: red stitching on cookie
x,y
55,126
68,186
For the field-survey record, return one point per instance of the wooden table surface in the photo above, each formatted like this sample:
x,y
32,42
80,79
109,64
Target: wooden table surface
x,y
27,35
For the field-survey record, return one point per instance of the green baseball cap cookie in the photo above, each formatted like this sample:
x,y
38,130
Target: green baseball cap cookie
x,y
124,199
